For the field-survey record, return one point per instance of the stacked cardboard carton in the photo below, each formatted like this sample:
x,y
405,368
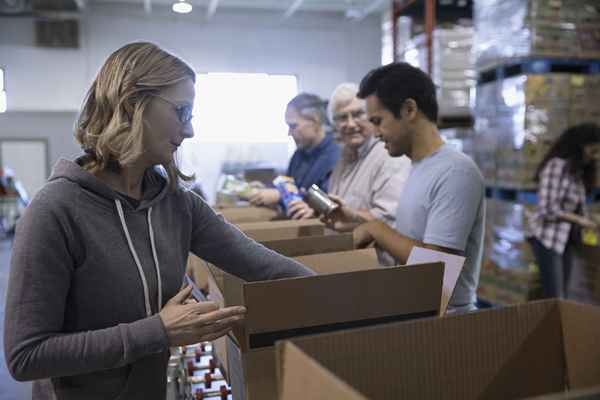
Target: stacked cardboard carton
x,y
585,275
518,118
548,28
509,274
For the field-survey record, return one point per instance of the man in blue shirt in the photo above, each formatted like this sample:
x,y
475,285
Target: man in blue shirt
x,y
315,157
442,206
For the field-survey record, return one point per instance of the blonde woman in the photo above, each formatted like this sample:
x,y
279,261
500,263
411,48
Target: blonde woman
x,y
94,299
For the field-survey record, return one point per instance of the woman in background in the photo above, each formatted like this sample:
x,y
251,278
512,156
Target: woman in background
x,y
315,157
565,177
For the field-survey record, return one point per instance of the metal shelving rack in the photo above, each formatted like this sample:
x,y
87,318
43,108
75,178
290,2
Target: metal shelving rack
x,y
433,13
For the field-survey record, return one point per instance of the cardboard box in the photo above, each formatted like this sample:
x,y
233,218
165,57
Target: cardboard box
x,y
262,231
522,351
237,215
581,394
353,260
334,300
308,245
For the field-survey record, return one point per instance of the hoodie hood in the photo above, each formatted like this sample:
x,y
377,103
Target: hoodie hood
x,y
156,185
155,188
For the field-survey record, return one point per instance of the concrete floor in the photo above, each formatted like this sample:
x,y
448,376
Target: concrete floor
x,y
9,388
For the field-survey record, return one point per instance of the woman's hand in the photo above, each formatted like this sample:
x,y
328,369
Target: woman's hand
x,y
192,322
588,223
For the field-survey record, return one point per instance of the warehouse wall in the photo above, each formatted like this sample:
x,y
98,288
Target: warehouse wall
x,y
55,127
322,50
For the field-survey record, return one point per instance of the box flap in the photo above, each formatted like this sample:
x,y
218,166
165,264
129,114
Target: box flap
x,y
506,353
453,265
311,245
233,296
215,290
220,352
581,331
236,370
343,261
260,374
291,307
199,270
216,274
300,377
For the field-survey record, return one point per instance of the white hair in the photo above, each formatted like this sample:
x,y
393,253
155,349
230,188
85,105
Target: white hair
x,y
344,93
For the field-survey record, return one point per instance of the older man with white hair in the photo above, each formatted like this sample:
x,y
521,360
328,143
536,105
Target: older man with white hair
x,y
366,182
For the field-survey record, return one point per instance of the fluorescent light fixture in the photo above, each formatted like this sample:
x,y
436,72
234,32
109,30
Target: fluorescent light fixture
x,y
1,79
182,7
3,101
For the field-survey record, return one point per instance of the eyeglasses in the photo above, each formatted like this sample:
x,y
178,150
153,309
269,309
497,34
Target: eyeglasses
x,y
183,111
344,118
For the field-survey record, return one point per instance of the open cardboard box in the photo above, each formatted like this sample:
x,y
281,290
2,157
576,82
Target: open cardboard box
x,y
273,230
237,215
517,352
353,293
307,245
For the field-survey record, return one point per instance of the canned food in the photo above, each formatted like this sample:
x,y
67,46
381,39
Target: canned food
x,y
287,190
320,201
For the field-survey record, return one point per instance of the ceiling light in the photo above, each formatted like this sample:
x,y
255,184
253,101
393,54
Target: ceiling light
x,y
182,7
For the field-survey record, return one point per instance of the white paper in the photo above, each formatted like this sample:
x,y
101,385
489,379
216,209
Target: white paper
x,y
453,265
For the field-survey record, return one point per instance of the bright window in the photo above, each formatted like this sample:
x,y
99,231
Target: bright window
x,y
242,108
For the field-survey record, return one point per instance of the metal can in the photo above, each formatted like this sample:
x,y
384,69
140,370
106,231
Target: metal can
x,y
320,201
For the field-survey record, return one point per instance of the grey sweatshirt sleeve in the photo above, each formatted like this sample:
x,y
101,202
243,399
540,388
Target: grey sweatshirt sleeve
x,y
42,266
222,244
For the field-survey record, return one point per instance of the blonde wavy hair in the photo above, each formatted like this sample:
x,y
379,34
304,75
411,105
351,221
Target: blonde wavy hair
x,y
110,127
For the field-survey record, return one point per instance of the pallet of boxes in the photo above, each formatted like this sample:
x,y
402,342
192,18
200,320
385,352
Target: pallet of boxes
x,y
584,285
536,78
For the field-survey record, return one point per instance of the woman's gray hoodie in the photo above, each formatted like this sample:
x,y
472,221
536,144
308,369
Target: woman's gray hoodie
x,y
88,273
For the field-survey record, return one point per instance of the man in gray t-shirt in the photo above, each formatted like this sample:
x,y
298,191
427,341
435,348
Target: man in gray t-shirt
x,y
442,206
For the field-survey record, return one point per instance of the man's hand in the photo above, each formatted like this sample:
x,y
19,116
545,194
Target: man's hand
x,y
265,197
298,209
363,237
343,218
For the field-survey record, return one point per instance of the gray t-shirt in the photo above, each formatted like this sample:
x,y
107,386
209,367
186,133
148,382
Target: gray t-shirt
x,y
443,204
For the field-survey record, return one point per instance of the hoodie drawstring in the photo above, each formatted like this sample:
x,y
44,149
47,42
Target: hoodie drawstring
x,y
137,260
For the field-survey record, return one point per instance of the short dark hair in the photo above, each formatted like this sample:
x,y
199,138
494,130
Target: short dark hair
x,y
394,83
